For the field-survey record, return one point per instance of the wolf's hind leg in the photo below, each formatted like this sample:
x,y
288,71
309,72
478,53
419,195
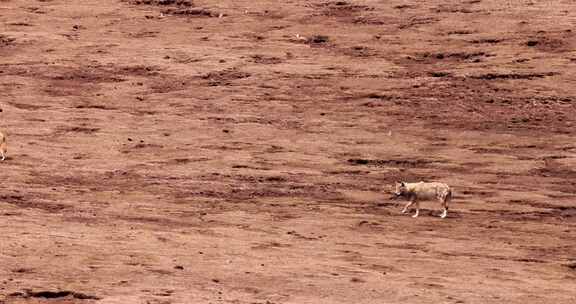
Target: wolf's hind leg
x,y
445,201
417,209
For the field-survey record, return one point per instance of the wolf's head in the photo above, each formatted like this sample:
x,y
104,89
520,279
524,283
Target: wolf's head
x,y
399,189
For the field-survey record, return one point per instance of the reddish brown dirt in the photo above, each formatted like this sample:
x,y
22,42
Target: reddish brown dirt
x,y
244,151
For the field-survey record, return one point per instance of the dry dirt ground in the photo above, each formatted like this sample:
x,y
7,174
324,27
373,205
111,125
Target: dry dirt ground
x,y
170,151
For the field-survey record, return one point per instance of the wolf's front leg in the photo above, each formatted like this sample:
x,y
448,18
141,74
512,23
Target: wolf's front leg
x,y
445,208
407,206
444,213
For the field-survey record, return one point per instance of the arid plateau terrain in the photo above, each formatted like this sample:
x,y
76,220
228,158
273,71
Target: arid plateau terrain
x,y
245,152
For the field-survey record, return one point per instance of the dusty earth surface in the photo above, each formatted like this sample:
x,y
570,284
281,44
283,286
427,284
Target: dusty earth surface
x,y
170,151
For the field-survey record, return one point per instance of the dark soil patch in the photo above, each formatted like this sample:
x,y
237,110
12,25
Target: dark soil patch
x,y
513,76
224,77
404,163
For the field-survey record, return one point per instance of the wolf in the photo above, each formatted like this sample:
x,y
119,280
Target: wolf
x,y
3,145
416,192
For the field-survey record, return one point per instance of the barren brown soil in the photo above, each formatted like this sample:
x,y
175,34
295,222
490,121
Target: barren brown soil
x,y
178,151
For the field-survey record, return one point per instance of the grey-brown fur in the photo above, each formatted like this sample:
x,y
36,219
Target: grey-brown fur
x,y
416,192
